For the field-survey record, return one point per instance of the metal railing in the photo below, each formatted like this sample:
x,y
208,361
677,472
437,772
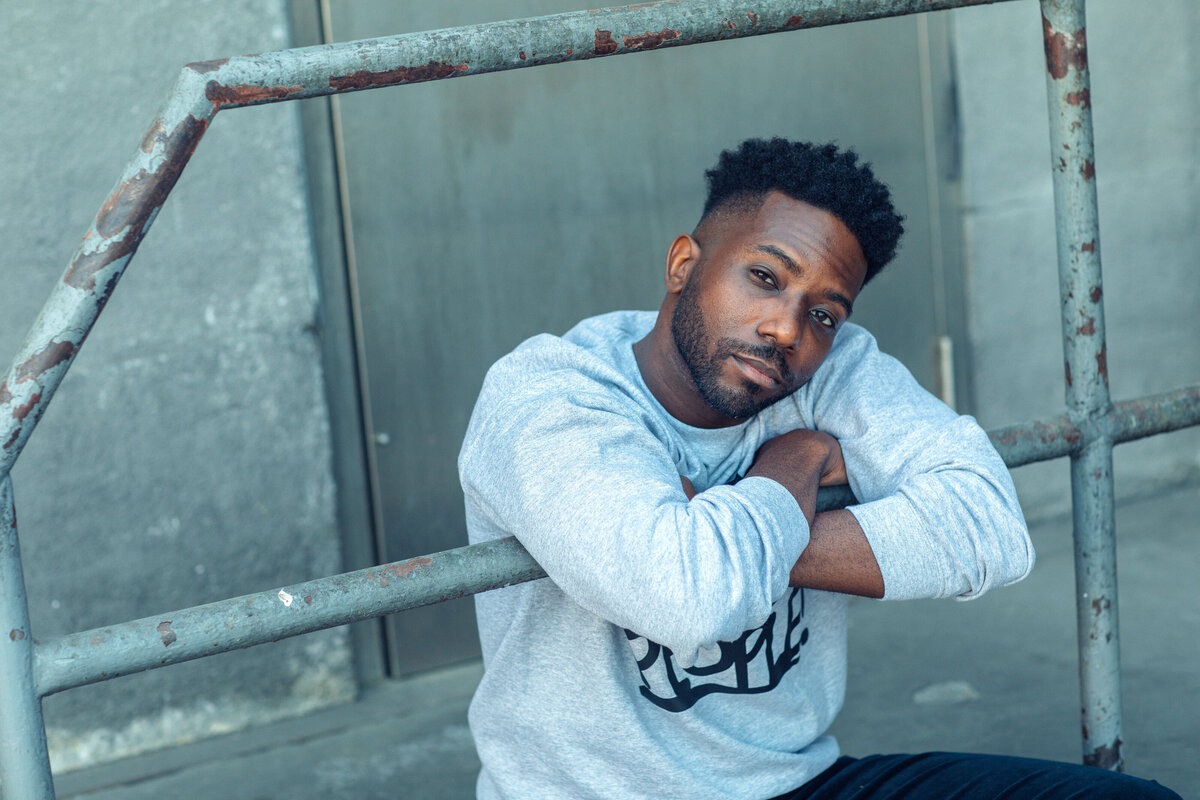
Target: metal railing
x,y
31,670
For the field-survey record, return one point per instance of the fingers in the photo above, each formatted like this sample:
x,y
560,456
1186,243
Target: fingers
x,y
688,489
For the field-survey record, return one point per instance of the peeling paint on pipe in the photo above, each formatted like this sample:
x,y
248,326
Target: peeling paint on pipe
x,y
1128,420
78,659
1085,352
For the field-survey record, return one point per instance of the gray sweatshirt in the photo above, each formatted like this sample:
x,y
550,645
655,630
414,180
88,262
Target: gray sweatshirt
x,y
666,656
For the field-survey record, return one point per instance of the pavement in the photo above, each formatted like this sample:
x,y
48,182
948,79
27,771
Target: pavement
x,y
995,675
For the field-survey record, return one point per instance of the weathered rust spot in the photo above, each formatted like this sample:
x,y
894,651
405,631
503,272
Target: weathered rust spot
x,y
1088,247
730,24
570,52
1088,328
794,21
220,95
365,79
208,66
408,567
153,135
1088,170
1082,98
1061,55
604,43
1068,370
16,635
12,439
5,394
1096,294
521,55
650,40
135,201
308,599
21,412
750,15
45,360
1102,362
1100,605
168,635
1104,756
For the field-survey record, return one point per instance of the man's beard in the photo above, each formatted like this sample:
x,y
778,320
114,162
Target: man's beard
x,y
692,341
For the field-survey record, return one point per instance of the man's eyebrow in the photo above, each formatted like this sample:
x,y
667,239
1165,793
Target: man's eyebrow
x,y
772,250
794,268
840,299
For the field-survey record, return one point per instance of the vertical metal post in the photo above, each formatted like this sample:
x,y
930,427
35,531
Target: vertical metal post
x,y
24,761
1069,97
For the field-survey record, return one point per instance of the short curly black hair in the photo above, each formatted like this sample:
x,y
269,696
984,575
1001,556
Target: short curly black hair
x,y
821,175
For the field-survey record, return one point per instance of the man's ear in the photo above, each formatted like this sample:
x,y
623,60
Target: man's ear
x,y
682,258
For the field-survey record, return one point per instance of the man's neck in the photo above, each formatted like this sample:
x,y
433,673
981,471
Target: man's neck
x,y
669,380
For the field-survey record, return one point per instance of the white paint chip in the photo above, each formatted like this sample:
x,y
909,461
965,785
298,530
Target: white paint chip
x,y
285,598
946,693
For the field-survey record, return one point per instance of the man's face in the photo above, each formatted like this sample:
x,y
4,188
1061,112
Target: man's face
x,y
759,308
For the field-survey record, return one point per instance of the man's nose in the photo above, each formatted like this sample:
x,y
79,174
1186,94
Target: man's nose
x,y
782,326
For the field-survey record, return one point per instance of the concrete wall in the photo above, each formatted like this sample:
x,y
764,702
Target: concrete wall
x,y
186,457
1147,126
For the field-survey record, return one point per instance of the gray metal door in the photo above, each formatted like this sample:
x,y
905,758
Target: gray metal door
x,y
486,210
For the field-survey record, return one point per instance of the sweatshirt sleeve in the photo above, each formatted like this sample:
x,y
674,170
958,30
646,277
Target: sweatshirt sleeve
x,y
939,507
575,472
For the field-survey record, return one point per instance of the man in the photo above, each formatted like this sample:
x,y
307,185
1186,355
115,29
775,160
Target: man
x,y
663,470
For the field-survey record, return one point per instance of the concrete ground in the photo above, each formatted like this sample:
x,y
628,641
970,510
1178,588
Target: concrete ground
x,y
994,675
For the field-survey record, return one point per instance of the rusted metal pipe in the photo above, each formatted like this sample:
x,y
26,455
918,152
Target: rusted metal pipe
x,y
1128,420
92,656
24,761
1069,98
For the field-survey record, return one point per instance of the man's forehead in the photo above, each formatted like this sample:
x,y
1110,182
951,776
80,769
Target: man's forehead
x,y
798,232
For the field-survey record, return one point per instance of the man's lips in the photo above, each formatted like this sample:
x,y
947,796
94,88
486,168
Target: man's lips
x,y
757,371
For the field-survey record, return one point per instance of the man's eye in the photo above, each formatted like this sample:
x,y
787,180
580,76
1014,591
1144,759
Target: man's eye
x,y
763,276
824,318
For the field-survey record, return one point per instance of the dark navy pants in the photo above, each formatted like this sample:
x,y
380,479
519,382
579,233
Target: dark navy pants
x,y
967,776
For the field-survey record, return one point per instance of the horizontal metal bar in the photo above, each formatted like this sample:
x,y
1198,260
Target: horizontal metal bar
x,y
97,655
103,653
1055,437
204,88
515,44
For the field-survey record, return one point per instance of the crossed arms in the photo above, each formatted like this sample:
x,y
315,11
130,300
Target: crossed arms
x,y
838,557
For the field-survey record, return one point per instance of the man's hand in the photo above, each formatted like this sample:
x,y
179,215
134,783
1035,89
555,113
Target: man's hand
x,y
801,460
838,557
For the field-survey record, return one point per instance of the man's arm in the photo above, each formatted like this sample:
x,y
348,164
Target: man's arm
x,y
937,507
577,474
